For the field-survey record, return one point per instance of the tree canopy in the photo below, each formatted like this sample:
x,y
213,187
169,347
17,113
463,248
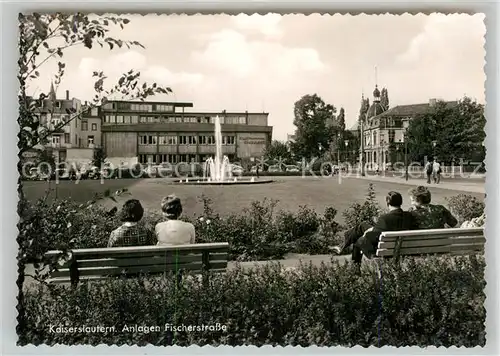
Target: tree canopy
x,y
48,36
316,126
278,151
457,130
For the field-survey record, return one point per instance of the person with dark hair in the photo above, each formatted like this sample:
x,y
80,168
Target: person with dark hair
x,y
173,231
131,233
428,169
365,236
429,216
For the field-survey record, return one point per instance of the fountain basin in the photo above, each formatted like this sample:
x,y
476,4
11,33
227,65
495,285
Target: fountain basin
x,y
229,181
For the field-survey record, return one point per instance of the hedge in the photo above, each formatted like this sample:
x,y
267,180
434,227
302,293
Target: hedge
x,y
432,301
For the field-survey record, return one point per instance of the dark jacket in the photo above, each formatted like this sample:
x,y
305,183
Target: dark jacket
x,y
395,220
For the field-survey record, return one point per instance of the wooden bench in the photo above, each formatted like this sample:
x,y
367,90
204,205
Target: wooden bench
x,y
100,263
425,242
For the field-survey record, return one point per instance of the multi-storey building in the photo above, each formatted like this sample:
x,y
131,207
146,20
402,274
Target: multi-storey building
x,y
384,130
66,142
159,132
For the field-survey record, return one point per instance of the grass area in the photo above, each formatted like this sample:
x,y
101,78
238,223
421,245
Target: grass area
x,y
291,192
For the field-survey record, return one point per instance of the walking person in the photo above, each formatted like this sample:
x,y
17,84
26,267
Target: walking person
x,y
436,172
428,170
257,171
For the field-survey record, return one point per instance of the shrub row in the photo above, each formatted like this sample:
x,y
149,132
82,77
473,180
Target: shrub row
x,y
259,232
328,305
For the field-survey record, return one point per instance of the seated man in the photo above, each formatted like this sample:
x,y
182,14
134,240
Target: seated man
x,y
365,237
130,233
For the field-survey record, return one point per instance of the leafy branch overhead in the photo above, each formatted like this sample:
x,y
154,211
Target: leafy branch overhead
x,y
47,36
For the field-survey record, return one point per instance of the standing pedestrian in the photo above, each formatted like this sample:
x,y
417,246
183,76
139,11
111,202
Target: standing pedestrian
x,y
428,170
257,171
436,172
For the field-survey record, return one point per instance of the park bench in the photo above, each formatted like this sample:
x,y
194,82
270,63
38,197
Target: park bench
x,y
395,244
101,263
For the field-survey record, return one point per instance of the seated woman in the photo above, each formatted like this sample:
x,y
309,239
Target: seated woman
x,y
173,231
429,216
130,233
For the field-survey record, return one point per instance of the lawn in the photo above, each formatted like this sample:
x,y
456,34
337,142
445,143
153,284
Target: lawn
x,y
291,192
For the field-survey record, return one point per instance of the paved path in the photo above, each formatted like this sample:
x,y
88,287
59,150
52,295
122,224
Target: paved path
x,y
472,186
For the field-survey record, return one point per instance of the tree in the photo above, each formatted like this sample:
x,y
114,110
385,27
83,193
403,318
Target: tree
x,y
45,37
384,98
278,151
315,122
456,129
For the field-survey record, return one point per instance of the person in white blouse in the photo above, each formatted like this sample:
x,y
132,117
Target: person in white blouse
x,y
173,231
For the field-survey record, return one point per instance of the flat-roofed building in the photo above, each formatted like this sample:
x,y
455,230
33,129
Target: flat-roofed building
x,y
160,132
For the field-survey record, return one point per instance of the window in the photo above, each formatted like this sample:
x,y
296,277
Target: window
x,y
202,140
90,140
126,119
164,108
192,140
67,138
183,140
110,119
123,106
58,104
94,112
94,126
143,119
134,119
141,107
178,119
242,120
85,126
168,140
119,119
228,140
108,106
56,140
392,135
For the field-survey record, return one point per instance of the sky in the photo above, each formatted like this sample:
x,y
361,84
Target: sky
x,y
267,63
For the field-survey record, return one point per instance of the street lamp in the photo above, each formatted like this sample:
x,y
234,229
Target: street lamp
x,y
434,143
406,124
346,143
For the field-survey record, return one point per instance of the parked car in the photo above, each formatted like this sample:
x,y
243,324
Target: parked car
x,y
292,168
236,169
274,169
164,169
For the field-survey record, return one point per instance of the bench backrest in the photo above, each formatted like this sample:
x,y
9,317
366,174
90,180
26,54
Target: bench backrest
x,y
423,242
96,263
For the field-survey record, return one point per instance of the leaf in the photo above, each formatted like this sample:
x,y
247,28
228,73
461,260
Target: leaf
x,y
126,21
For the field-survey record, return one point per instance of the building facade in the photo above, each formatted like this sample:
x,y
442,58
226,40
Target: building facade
x,y
384,132
67,142
161,132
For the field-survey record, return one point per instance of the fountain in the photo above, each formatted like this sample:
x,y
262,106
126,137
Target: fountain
x,y
218,170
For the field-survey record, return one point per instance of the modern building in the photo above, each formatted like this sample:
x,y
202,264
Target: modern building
x,y
384,131
161,132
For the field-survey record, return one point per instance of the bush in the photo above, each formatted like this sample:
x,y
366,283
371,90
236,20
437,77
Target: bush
x,y
369,211
328,305
261,233
465,207
258,233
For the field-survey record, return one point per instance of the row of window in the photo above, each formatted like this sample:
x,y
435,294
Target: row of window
x,y
56,140
85,126
372,139
139,107
183,140
174,158
134,119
